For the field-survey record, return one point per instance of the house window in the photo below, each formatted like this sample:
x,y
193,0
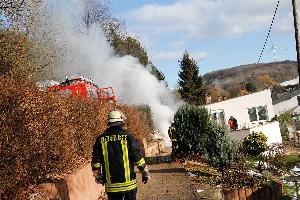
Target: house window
x,y
262,113
252,114
258,113
219,116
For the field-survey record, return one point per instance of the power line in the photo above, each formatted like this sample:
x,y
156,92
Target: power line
x,y
266,40
268,35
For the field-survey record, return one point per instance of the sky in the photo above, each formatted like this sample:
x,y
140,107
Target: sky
x,y
218,34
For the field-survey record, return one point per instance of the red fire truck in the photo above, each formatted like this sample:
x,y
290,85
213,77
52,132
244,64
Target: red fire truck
x,y
85,87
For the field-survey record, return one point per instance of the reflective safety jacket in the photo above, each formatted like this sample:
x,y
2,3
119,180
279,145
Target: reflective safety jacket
x,y
116,152
171,133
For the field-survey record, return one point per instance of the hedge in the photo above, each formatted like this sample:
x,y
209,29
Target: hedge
x,y
45,135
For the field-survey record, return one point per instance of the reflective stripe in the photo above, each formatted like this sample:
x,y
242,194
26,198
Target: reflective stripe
x,y
125,160
140,162
96,165
105,156
120,189
125,184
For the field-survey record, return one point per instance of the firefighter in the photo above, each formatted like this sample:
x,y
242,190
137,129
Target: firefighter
x,y
171,131
115,153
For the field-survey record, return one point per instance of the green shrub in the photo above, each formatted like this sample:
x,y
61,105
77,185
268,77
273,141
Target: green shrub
x,y
191,125
285,120
292,160
255,143
274,158
250,87
197,134
220,150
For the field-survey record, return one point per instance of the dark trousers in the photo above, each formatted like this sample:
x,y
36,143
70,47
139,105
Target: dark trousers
x,y
129,195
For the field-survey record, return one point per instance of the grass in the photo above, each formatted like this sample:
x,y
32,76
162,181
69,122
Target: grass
x,y
288,192
252,159
292,160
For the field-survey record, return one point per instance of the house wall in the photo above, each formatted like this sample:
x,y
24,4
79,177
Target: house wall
x,y
237,107
271,130
284,106
290,82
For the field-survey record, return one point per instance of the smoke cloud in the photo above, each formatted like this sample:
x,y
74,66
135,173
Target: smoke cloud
x,y
89,54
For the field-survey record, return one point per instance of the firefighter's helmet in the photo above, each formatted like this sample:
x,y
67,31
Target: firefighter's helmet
x,y
116,116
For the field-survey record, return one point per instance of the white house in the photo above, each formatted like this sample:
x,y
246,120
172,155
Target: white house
x,y
290,82
249,109
270,129
286,101
253,111
286,105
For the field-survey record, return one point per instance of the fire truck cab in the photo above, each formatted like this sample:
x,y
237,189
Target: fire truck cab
x,y
85,87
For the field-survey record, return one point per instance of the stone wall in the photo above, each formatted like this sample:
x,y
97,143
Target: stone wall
x,y
153,148
77,186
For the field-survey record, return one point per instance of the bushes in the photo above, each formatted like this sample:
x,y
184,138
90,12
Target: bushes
x,y
191,125
196,133
254,144
292,160
274,159
15,53
220,150
46,134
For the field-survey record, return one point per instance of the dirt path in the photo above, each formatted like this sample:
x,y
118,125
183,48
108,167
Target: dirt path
x,y
289,149
169,181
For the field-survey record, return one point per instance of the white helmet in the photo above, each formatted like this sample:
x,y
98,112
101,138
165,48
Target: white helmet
x,y
116,116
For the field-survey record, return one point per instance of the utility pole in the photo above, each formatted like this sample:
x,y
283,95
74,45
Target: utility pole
x,y
295,13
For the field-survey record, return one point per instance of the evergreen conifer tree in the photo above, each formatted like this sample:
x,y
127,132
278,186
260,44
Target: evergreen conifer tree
x,y
190,81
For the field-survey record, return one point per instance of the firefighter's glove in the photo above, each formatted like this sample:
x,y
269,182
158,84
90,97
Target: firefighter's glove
x,y
145,175
98,177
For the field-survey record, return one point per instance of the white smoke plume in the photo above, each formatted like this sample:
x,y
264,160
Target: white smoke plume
x,y
89,54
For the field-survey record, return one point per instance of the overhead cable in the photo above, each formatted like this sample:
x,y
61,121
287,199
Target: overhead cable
x,y
269,32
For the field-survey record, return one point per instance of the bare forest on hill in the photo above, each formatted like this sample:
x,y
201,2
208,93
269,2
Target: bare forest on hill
x,y
260,74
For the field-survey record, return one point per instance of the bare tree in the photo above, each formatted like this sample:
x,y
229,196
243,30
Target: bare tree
x,y
29,24
11,11
96,11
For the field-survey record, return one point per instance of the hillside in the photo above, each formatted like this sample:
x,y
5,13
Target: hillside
x,y
275,72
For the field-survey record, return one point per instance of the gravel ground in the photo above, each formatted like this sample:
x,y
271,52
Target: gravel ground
x,y
169,181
